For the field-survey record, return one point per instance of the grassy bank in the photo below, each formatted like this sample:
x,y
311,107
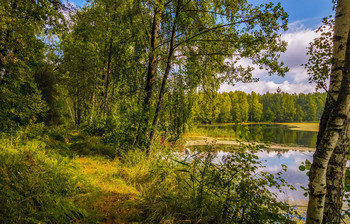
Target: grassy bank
x,y
312,126
71,177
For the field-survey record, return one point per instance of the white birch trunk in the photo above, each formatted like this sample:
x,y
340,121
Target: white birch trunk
x,y
333,128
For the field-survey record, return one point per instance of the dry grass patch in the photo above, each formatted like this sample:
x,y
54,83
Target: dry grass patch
x,y
113,199
302,126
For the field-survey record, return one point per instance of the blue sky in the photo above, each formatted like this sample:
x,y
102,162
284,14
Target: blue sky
x,y
304,17
78,2
310,11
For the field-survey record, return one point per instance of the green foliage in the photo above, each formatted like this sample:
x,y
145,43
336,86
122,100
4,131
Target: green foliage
x,y
241,107
205,188
305,166
46,79
92,145
106,48
89,74
255,107
320,54
21,56
20,102
35,186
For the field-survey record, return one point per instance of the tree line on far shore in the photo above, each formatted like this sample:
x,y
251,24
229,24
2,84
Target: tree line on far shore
x,y
239,106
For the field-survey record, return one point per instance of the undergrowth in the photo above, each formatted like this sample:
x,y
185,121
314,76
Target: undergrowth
x,y
72,177
36,186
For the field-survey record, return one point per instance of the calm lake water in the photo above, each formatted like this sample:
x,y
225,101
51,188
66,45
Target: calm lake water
x,y
270,133
272,159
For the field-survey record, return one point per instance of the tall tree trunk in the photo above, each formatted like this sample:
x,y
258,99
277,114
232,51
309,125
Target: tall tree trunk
x,y
164,82
150,76
336,179
107,77
341,28
334,137
337,164
77,101
109,65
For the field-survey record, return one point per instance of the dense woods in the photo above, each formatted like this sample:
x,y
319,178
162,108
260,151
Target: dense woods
x,y
94,99
125,69
240,107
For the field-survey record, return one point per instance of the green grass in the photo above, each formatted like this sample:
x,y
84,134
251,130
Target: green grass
x,y
302,126
197,132
36,185
114,199
68,180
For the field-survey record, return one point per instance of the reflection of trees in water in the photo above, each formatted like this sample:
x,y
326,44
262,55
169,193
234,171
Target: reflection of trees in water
x,y
278,152
280,134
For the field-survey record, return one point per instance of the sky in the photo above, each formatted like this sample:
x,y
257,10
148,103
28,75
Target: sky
x,y
304,18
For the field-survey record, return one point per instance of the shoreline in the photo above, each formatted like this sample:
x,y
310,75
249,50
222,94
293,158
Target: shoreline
x,y
300,126
212,141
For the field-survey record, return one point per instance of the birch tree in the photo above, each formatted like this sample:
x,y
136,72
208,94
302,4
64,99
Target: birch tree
x,y
328,169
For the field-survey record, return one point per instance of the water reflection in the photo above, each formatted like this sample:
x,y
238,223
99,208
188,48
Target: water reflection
x,y
272,160
270,133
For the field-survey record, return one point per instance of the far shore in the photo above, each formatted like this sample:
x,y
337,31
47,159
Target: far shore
x,y
302,126
193,139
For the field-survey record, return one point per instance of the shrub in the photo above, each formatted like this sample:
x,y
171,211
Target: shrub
x,y
35,186
91,145
206,188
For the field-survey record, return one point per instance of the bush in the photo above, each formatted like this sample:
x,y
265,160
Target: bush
x,y
206,188
35,186
92,145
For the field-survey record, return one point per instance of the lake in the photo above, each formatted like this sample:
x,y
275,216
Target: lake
x,y
287,137
281,134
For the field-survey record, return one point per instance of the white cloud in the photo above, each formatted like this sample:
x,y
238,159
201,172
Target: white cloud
x,y
299,75
270,169
297,47
296,80
264,86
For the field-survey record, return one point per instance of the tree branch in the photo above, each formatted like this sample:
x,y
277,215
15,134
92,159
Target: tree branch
x,y
211,29
143,22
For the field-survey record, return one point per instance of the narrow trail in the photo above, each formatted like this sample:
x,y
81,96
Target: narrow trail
x,y
113,198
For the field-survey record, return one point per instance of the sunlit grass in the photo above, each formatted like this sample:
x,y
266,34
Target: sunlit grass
x,y
130,188
36,185
113,199
302,126
200,132
105,174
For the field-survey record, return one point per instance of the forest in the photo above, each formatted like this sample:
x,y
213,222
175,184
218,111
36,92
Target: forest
x,y
269,107
94,101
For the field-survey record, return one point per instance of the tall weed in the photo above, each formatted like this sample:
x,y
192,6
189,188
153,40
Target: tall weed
x,y
35,186
207,188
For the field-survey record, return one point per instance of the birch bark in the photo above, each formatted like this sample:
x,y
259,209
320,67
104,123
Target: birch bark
x,y
333,133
